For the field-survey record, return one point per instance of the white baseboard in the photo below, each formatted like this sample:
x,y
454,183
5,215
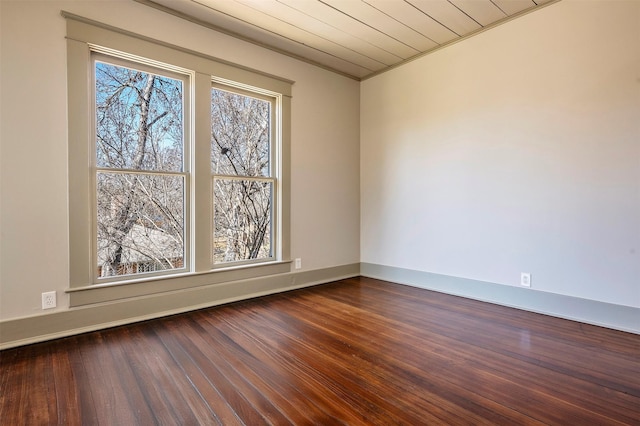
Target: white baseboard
x,y
38,328
618,317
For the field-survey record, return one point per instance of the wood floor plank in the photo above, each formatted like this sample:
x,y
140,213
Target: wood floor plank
x,y
110,394
151,369
606,366
135,386
220,410
419,369
274,381
502,362
332,370
275,354
376,378
27,399
249,406
355,352
66,398
180,393
79,380
262,402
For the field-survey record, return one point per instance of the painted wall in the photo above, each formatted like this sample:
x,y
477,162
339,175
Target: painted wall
x,y
33,172
517,150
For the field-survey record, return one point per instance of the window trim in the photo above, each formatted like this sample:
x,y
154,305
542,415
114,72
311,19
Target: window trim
x,y
85,36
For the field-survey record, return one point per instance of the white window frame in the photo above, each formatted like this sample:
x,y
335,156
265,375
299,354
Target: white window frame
x,y
86,38
275,169
165,70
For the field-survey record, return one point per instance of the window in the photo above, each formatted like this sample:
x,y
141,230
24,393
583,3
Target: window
x,y
243,181
140,173
178,167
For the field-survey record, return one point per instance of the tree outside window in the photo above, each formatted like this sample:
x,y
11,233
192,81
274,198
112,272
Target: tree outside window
x,y
243,184
140,180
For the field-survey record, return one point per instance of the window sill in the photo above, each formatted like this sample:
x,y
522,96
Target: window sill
x,y
98,293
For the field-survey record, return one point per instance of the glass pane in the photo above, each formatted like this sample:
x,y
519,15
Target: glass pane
x,y
140,223
139,120
242,220
240,133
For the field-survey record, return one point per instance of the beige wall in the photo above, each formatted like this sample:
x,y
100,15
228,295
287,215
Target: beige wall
x,y
33,172
517,150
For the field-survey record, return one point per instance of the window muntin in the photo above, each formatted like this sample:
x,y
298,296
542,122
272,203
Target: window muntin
x,y
140,179
244,183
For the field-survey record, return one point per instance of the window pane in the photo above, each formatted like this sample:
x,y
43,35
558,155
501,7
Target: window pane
x,y
140,225
242,220
240,133
139,119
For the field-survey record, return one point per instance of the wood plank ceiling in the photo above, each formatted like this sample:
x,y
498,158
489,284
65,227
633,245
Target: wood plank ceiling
x,y
356,38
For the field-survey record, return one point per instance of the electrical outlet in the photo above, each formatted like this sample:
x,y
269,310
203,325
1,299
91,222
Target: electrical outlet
x,y
49,300
525,279
298,263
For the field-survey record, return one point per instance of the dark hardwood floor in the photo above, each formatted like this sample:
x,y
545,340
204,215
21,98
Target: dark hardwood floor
x,y
354,352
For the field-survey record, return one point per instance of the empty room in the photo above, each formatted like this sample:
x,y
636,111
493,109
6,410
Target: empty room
x,y
320,212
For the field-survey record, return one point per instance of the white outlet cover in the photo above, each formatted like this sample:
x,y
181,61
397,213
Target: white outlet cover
x,y
49,300
298,263
525,279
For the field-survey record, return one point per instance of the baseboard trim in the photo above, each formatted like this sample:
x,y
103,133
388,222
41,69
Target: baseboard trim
x,y
617,317
33,329
39,328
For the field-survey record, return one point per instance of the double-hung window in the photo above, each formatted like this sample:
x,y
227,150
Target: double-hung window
x,y
178,167
141,178
243,177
